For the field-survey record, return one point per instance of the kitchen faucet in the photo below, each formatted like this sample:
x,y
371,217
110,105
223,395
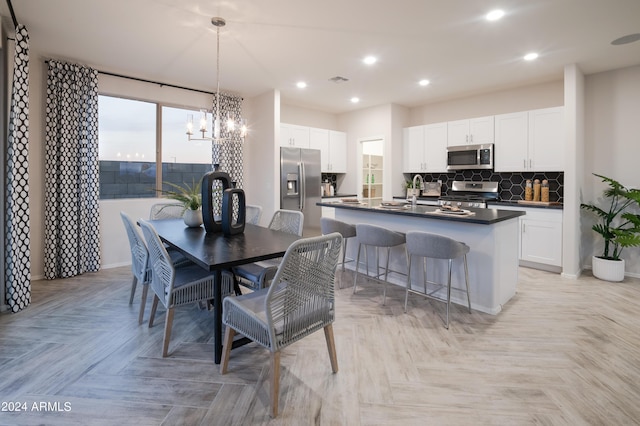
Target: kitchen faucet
x,y
413,198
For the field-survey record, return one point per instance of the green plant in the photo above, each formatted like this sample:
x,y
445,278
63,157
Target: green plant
x,y
619,227
408,184
189,195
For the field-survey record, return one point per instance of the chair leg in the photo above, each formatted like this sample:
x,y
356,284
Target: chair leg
x,y
406,292
448,294
331,346
355,279
154,306
386,273
344,256
424,274
143,302
275,382
466,281
133,289
226,349
167,332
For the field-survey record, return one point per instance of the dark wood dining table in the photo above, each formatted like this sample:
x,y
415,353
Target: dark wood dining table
x,y
216,252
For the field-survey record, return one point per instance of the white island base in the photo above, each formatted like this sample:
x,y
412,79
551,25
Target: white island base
x,y
493,259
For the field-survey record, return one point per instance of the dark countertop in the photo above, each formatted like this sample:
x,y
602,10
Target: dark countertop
x,y
340,196
497,204
482,216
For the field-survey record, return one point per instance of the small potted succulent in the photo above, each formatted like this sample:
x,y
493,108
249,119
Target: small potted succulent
x,y
618,225
191,199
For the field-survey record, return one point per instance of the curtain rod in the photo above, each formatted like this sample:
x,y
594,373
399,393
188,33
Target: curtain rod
x,y
149,81
13,15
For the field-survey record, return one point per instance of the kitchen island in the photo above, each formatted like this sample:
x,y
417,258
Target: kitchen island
x,y
492,235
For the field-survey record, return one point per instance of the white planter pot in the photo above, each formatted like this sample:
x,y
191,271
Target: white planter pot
x,y
411,192
192,218
608,270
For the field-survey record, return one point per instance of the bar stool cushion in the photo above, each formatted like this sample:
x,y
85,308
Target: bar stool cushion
x,y
434,246
328,225
378,236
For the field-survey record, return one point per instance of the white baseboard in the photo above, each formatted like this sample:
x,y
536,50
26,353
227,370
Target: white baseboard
x,y
115,265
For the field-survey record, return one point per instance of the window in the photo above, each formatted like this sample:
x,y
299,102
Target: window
x,y
128,143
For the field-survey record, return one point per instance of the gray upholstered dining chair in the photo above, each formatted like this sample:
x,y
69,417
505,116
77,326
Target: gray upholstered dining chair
x,y
257,275
434,246
299,301
177,286
140,261
253,214
166,211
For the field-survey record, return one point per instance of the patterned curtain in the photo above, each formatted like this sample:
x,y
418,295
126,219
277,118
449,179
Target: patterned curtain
x,y
72,240
17,260
228,154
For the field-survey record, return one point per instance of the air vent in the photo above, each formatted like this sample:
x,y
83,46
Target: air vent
x,y
337,79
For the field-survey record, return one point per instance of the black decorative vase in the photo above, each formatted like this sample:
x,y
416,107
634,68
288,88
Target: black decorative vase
x,y
208,203
228,227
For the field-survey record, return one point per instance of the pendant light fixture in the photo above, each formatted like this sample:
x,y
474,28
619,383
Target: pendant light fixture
x,y
230,124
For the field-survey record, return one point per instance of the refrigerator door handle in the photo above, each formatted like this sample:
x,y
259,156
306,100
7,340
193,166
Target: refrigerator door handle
x,y
302,180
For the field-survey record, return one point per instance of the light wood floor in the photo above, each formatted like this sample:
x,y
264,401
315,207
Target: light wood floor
x,y
562,352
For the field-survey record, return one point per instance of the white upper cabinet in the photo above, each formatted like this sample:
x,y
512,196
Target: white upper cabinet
x,y
546,139
333,149
414,158
510,149
530,141
293,136
473,131
319,139
435,152
337,152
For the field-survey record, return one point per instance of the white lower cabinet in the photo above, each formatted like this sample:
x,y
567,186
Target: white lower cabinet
x,y
540,236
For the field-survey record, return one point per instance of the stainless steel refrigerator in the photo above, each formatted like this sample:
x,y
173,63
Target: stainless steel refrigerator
x,y
300,185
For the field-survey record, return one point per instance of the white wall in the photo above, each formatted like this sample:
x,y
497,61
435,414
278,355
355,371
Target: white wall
x,y
308,117
612,147
501,102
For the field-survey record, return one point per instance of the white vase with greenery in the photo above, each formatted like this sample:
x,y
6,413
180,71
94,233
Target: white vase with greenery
x,y
191,199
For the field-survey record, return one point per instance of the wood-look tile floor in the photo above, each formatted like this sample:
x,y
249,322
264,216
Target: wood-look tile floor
x,y
562,352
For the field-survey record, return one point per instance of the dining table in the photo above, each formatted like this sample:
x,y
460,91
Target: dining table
x,y
216,252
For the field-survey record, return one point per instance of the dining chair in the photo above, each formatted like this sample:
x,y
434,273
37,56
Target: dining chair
x,y
166,211
177,286
299,301
140,261
253,214
258,274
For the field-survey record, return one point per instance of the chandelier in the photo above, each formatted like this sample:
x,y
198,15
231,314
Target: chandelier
x,y
231,126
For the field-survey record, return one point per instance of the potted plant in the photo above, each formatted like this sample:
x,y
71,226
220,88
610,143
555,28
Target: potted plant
x,y
618,226
411,191
191,199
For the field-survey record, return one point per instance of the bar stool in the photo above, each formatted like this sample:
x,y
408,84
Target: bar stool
x,y
427,245
328,226
376,236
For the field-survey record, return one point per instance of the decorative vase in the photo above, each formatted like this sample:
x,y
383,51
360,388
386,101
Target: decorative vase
x,y
411,192
192,218
608,270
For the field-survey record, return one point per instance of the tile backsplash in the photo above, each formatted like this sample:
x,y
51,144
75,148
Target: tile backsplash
x,y
511,184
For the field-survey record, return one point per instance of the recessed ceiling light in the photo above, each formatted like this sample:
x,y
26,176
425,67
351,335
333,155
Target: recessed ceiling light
x,y
301,84
494,15
370,60
355,100
530,56
424,82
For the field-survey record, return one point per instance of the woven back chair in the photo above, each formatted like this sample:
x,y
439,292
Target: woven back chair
x,y
253,214
300,301
166,211
139,261
177,286
257,275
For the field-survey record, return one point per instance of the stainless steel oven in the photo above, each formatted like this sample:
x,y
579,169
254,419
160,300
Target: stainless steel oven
x,y
470,194
470,157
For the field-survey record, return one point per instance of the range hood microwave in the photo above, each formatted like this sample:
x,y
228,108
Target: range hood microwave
x,y
470,157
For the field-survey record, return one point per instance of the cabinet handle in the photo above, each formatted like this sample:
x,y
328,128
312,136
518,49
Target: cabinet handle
x,y
466,138
530,166
524,163
523,227
471,138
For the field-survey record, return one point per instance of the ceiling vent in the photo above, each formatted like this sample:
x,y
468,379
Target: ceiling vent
x,y
337,79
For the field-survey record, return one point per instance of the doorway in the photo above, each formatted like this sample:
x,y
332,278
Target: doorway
x,y
371,164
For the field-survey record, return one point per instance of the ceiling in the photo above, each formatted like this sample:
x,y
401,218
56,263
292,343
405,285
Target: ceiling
x,y
273,44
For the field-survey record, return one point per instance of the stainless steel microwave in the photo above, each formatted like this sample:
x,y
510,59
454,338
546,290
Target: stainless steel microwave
x,y
470,157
